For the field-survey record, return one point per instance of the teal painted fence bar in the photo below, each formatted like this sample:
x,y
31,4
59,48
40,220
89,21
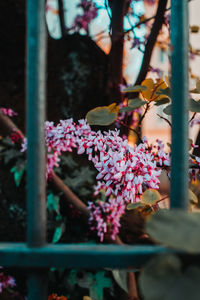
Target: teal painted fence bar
x,y
36,61
78,255
179,41
36,183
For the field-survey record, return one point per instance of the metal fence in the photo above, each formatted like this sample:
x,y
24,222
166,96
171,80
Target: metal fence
x,y
36,254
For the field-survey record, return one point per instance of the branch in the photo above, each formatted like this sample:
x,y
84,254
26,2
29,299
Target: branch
x,y
132,129
116,53
61,17
144,21
165,119
69,195
157,25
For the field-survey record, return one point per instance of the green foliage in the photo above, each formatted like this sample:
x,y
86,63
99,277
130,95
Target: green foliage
x,y
95,282
132,105
197,89
194,106
8,151
78,179
53,203
164,92
164,278
175,228
103,116
18,172
162,101
149,198
134,89
58,233
168,110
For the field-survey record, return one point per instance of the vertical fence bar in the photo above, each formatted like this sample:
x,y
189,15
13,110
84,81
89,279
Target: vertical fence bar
x,y
179,40
36,57
36,198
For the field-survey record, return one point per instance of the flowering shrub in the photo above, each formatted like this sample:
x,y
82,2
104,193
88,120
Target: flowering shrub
x,y
124,172
8,112
6,281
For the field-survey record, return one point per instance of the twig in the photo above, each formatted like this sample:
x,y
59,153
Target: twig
x,y
62,17
144,21
165,197
168,122
135,131
193,116
115,77
144,114
69,195
157,25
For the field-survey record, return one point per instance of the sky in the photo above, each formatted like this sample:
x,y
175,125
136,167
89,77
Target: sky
x,y
132,58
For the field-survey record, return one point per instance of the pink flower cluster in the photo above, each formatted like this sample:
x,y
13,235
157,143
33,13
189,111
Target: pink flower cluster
x,y
105,217
89,13
124,172
8,112
6,281
16,136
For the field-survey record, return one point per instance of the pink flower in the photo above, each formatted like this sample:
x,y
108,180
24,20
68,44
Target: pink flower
x,y
6,281
8,112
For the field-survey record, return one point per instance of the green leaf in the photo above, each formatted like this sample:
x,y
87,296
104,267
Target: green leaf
x,y
134,88
175,228
104,115
18,172
94,282
11,154
197,89
162,101
135,103
194,106
58,233
125,109
135,205
132,105
168,110
53,203
164,92
163,278
120,277
150,197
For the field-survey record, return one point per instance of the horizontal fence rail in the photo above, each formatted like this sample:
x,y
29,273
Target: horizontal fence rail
x,y
78,256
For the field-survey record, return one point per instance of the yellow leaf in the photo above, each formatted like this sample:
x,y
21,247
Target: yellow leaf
x,y
113,108
135,205
147,94
86,298
151,94
167,81
150,197
192,197
103,115
194,29
160,85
